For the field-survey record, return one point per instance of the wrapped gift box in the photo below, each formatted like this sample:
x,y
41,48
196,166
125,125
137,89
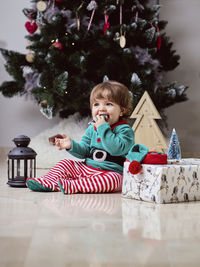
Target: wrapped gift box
x,y
163,183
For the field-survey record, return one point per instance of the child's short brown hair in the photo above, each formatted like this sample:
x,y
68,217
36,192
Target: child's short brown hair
x,y
115,92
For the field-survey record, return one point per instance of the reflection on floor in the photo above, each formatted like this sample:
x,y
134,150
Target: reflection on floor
x,y
52,229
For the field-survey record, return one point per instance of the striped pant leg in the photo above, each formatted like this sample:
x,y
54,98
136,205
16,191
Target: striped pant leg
x,y
90,180
61,170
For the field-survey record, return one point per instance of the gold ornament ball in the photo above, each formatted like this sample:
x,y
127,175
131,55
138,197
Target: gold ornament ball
x,y
30,57
41,6
122,41
44,103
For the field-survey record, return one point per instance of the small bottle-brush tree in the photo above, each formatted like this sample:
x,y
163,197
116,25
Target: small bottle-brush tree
x,y
174,151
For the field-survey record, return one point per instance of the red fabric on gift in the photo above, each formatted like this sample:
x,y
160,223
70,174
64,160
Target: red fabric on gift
x,y
154,157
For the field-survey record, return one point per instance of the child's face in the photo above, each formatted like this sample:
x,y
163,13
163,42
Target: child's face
x,y
106,107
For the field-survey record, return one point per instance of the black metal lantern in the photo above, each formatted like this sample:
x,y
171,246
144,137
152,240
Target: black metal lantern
x,y
21,162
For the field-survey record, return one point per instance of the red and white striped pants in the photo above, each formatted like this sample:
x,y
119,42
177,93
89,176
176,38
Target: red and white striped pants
x,y
75,176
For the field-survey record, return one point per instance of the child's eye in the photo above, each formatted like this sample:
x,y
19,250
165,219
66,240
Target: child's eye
x,y
109,104
95,104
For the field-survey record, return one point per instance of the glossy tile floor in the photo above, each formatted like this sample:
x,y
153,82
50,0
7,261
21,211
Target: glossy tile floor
x,y
52,229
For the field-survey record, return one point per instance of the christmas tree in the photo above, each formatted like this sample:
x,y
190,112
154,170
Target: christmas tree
x,y
174,151
73,45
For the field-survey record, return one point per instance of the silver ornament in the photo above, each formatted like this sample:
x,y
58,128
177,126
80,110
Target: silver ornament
x,y
92,5
47,112
26,70
135,79
105,78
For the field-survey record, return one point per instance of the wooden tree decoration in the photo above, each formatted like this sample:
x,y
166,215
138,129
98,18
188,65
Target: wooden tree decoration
x,y
146,129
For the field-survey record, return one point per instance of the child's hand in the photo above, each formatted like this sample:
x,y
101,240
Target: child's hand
x,y
99,121
64,143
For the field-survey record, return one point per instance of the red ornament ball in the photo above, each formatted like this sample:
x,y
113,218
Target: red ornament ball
x,y
59,1
58,45
135,167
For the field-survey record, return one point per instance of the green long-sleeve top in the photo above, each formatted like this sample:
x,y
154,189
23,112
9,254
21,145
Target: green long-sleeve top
x,y
116,140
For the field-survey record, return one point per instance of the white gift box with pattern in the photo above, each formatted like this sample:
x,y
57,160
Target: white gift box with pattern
x,y
163,183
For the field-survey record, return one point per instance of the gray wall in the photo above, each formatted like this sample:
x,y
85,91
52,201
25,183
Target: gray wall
x,y
19,116
183,28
